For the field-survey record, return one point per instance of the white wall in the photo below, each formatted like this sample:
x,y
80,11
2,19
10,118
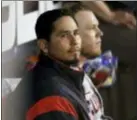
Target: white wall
x,y
8,24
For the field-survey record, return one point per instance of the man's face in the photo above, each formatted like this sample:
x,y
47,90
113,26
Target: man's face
x,y
90,33
65,43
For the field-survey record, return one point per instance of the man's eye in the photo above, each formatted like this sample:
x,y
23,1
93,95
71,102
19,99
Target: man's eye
x,y
76,33
91,27
63,35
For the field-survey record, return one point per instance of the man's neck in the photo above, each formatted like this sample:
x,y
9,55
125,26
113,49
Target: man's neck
x,y
81,61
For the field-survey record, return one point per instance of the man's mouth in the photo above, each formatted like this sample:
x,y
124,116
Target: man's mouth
x,y
98,42
77,49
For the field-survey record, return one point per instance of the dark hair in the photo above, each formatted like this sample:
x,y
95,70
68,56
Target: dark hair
x,y
45,22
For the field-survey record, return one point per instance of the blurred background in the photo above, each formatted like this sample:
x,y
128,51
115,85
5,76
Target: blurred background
x,y
18,42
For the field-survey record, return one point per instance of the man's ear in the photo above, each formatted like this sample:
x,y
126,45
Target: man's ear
x,y
43,45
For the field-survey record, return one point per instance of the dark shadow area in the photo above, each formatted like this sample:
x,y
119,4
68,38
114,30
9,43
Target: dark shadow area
x,y
121,99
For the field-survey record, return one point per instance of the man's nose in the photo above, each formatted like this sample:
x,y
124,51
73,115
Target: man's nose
x,y
74,40
99,32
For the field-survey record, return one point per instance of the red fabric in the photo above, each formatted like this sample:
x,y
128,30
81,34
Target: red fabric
x,y
49,104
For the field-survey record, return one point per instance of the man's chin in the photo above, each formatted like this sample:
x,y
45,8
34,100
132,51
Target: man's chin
x,y
98,53
73,62
92,54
